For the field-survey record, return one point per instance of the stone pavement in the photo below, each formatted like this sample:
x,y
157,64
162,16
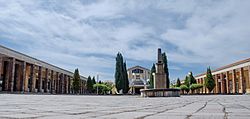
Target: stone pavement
x,y
111,107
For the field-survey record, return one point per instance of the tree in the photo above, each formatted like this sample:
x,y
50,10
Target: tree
x,y
184,88
103,88
151,81
126,82
165,61
186,81
191,78
121,76
118,72
194,87
93,83
178,83
76,81
89,85
209,81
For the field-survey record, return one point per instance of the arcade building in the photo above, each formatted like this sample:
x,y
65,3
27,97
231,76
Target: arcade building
x,y
20,73
230,79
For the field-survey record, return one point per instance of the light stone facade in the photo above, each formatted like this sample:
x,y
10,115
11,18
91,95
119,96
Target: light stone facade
x,y
22,73
137,75
230,79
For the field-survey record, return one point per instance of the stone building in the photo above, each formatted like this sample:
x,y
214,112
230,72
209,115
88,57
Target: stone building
x,y
138,77
21,73
230,79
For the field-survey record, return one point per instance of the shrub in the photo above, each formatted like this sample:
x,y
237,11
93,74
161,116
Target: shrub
x,y
195,86
184,88
102,88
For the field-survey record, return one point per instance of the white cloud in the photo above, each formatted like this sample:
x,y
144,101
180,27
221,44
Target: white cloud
x,y
215,34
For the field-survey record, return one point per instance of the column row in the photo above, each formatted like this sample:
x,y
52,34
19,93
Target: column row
x,y
230,82
16,75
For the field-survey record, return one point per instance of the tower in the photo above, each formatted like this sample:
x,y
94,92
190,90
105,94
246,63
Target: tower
x,y
160,75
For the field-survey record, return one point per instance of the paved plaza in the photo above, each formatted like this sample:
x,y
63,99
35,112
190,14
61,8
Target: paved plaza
x,y
111,107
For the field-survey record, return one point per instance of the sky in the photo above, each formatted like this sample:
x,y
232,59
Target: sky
x,y
88,34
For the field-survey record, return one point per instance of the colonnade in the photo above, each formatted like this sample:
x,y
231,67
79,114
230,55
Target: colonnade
x,y
21,76
229,81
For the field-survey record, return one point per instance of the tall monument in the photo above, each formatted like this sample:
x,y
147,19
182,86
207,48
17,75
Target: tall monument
x,y
160,80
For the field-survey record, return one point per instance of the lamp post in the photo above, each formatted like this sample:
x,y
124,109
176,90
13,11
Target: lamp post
x,y
153,79
133,79
145,83
97,79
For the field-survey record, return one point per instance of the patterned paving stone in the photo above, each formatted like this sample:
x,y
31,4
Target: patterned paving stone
x,y
14,106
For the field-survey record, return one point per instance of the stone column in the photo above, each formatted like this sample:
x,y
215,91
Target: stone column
x,y
6,76
52,82
49,81
234,80
222,83
248,81
24,77
69,85
46,80
33,75
241,80
204,87
40,81
62,83
216,84
12,70
17,78
227,82
66,84
57,82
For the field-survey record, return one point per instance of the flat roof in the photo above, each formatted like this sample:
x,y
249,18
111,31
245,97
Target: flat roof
x,y
227,66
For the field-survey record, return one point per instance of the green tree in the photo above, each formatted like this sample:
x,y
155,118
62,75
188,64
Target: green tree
x,y
93,83
118,72
125,76
209,81
186,81
103,88
184,88
121,76
194,87
89,85
191,79
151,81
178,83
76,81
165,61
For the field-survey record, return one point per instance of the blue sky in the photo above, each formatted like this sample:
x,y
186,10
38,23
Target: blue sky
x,y
88,34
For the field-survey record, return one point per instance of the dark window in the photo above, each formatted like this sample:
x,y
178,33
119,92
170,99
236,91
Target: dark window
x,y
137,71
